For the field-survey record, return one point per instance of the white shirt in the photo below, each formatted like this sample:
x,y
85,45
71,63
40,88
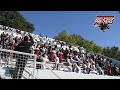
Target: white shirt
x,y
93,67
45,59
82,51
88,65
56,59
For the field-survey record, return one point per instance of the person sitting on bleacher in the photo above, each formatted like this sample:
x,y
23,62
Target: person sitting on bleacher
x,y
93,68
45,58
41,58
99,70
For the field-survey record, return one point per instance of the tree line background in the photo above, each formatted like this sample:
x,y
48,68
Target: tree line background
x,y
74,39
15,20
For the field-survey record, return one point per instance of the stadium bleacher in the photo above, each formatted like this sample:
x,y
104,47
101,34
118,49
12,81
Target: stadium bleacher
x,y
75,66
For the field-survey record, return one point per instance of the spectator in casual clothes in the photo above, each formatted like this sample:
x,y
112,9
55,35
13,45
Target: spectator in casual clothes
x,y
56,62
117,71
109,69
3,39
23,46
93,68
65,53
114,70
45,58
99,70
60,56
53,54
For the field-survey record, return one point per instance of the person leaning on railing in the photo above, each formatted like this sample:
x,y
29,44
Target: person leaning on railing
x,y
23,46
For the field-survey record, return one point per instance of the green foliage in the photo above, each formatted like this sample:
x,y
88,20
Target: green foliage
x,y
15,20
112,52
88,45
78,40
63,36
73,39
97,49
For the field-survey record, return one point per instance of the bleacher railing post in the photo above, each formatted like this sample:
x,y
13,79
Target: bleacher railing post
x,y
34,67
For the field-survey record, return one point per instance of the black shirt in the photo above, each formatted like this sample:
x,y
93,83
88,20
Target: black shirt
x,y
24,46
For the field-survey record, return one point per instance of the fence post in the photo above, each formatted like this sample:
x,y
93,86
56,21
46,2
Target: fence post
x,y
34,67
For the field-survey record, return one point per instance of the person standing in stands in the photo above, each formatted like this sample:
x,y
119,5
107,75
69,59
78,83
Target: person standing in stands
x,y
60,56
23,46
49,52
3,39
109,69
65,53
37,49
53,54
56,58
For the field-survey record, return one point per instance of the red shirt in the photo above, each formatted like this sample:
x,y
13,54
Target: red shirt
x,y
36,51
109,70
60,57
52,56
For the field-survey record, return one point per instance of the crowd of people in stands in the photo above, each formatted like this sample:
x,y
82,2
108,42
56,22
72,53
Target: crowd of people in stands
x,y
9,41
80,62
77,59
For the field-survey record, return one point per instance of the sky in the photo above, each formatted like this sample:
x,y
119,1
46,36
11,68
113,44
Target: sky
x,y
50,23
